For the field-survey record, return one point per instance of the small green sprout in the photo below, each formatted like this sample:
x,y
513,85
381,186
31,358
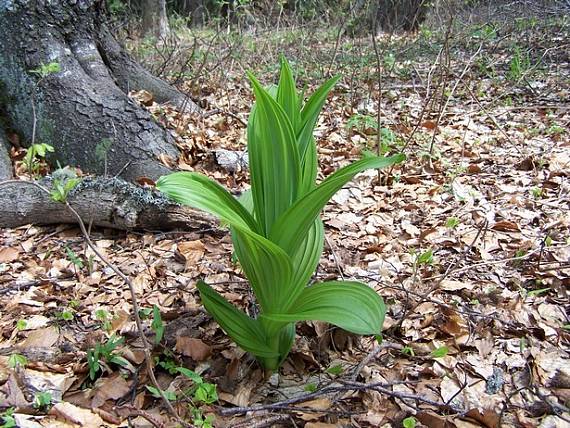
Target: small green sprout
x,y
440,352
17,360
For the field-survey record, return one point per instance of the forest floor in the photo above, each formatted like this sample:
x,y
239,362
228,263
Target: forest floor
x,y
468,242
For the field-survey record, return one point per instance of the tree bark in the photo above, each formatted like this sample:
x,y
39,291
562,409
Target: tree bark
x,y
5,161
400,15
154,19
83,110
104,202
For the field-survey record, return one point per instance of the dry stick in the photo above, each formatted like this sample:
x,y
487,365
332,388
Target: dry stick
x,y
378,109
138,322
347,386
445,73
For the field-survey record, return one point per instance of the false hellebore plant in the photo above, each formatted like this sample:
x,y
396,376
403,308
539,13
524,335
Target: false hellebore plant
x,y
276,228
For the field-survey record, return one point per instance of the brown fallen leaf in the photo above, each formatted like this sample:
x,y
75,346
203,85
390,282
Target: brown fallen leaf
x,y
506,226
193,348
41,338
110,388
76,415
191,251
9,254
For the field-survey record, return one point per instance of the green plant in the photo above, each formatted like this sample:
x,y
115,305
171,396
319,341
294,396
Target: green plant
x,y
409,422
105,318
519,65
440,352
33,156
7,419
45,70
16,360
198,419
202,392
276,227
21,324
105,353
64,181
73,258
157,325
42,400
452,222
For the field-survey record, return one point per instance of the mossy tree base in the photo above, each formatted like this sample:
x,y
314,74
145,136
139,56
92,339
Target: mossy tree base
x,y
83,110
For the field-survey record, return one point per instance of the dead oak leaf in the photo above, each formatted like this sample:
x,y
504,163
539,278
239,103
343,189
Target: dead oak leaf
x,y
193,348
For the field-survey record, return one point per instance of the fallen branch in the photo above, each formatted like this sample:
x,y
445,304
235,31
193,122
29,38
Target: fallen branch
x,y
104,202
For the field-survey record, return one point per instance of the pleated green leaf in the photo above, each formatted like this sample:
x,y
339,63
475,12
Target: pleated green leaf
x,y
198,191
291,227
305,261
349,305
267,267
287,95
273,157
245,331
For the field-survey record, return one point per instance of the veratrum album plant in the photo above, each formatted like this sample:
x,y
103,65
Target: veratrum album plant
x,y
276,228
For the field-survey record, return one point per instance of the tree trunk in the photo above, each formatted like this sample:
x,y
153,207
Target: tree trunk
x,y
154,19
400,15
83,109
105,202
5,161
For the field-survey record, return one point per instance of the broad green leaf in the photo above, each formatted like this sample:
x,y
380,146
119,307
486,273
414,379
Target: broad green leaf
x,y
198,191
350,305
293,225
267,267
246,331
287,94
273,158
246,199
309,166
305,261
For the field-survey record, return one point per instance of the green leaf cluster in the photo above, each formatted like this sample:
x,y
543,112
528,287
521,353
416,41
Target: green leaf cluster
x,y
276,228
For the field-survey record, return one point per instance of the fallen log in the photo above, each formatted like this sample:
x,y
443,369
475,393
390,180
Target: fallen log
x,y
104,202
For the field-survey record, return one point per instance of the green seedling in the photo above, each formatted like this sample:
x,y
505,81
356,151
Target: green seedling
x,y
203,392
65,315
34,154
335,370
73,258
105,353
440,352
276,227
425,258
42,400
21,324
519,65
157,325
408,350
169,395
198,419
17,360
7,419
452,222
64,181
310,387
409,422
44,70
105,318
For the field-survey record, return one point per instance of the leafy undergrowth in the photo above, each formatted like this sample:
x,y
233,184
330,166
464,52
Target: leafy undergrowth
x,y
468,242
